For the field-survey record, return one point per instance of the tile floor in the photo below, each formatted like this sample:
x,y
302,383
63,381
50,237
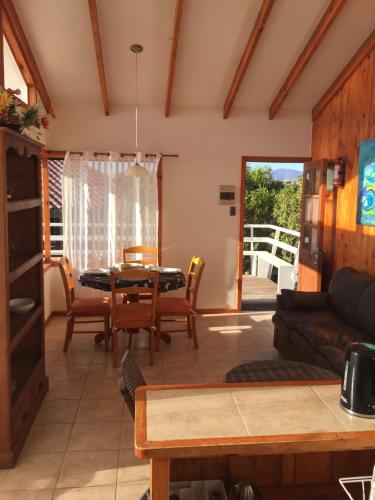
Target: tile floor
x,y
81,444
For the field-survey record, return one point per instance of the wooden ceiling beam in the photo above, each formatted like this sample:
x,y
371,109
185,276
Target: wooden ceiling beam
x,y
247,54
99,53
22,52
322,28
173,55
364,51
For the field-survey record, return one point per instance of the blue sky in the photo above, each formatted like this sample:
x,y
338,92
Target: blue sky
x,y
275,166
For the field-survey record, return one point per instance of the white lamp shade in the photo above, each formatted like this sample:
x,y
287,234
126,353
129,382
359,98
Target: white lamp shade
x,y
137,170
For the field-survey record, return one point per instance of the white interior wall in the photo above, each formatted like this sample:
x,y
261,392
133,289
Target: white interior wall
x,y
54,299
210,151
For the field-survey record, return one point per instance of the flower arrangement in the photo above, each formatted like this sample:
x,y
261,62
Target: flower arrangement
x,y
19,116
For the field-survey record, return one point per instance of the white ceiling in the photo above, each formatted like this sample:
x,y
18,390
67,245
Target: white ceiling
x,y
212,38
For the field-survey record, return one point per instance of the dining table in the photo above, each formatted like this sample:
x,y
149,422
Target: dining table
x,y
100,279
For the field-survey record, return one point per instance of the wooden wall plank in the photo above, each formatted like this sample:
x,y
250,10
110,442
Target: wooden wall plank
x,y
346,121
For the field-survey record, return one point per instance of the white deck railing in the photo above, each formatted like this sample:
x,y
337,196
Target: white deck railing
x,y
262,261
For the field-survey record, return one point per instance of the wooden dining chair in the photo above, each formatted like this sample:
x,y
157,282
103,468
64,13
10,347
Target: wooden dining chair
x,y
133,315
185,307
149,255
93,307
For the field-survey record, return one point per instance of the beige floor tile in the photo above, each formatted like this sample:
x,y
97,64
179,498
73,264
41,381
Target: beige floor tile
x,y
69,358
75,373
91,493
218,379
59,411
64,389
126,415
212,355
100,410
216,368
100,372
181,369
190,379
188,355
209,342
34,471
152,371
102,358
127,434
131,491
88,468
155,380
106,388
82,343
48,438
26,495
131,468
95,436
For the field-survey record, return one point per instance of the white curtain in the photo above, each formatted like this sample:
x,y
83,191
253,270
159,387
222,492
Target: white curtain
x,y
105,210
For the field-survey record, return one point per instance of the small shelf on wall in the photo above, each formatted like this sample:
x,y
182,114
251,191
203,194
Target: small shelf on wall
x,y
25,263
25,357
21,324
16,206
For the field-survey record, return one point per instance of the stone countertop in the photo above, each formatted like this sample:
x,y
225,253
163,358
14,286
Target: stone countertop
x,y
183,414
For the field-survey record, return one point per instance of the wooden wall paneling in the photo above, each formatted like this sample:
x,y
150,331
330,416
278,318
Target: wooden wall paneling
x,y
313,468
346,121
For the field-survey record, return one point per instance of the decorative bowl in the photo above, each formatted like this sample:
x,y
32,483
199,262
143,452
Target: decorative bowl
x,y
21,305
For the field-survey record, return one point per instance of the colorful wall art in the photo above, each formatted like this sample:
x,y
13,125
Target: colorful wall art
x,y
366,184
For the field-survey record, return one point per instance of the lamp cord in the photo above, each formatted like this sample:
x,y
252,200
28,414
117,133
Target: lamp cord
x,y
136,102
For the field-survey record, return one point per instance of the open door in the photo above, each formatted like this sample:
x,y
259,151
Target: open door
x,y
311,257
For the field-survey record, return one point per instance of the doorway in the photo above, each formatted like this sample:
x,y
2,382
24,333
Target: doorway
x,y
270,204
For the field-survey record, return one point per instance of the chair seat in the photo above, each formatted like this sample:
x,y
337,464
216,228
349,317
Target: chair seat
x,y
92,305
172,305
133,315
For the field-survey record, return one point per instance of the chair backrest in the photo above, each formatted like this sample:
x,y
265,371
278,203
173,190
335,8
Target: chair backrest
x,y
130,377
67,277
134,279
194,278
149,255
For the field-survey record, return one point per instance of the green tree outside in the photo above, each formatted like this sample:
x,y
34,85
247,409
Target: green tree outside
x,y
270,201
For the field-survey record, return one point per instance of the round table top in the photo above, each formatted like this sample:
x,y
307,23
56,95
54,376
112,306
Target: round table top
x,y
101,279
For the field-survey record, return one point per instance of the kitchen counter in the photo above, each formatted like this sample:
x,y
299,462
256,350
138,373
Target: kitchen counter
x,y
256,419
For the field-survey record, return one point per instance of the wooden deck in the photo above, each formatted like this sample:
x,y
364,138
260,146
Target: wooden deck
x,y
258,293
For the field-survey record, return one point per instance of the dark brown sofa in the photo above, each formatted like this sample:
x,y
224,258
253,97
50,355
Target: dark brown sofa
x,y
315,327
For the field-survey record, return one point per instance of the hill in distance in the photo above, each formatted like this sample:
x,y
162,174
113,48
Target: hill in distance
x,y
286,174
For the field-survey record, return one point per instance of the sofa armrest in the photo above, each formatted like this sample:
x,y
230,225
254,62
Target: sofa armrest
x,y
302,301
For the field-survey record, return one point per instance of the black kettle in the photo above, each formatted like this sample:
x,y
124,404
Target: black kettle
x,y
358,383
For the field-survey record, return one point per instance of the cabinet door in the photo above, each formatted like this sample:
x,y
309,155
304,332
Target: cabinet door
x,y
311,255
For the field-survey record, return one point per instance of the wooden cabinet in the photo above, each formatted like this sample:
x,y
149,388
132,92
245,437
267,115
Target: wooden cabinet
x,y
23,382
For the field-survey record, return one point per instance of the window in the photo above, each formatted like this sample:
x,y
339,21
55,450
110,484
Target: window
x,y
53,197
12,75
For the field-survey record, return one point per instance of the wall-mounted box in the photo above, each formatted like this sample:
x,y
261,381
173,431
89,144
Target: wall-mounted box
x,y
227,195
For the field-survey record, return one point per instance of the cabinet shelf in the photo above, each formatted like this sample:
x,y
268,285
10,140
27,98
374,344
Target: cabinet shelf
x,y
25,266
21,324
23,383
16,206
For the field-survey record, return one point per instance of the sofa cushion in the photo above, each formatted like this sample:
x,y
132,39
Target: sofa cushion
x,y
345,292
335,357
337,336
319,318
366,311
